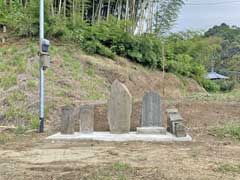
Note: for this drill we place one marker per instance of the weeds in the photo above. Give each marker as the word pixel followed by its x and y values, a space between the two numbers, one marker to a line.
pixel 4 138
pixel 20 130
pixel 15 96
pixel 31 84
pixel 229 168
pixel 229 130
pixel 8 81
pixel 117 170
pixel 121 166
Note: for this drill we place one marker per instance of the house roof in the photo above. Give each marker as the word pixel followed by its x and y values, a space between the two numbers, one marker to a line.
pixel 214 75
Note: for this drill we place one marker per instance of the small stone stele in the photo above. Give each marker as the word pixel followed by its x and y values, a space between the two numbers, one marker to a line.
pixel 173 119
pixel 68 120
pixel 86 118
pixel 119 108
pixel 151 110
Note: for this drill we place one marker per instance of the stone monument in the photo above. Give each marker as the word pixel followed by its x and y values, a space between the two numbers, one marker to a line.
pixel 151 110
pixel 151 120
pixel 119 108
pixel 175 123
pixel 86 118
pixel 67 120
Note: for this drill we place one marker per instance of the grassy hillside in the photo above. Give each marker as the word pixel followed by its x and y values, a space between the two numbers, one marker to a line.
pixel 73 77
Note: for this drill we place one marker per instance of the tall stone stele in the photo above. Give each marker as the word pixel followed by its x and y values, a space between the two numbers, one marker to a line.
pixel 68 119
pixel 86 118
pixel 151 110
pixel 119 108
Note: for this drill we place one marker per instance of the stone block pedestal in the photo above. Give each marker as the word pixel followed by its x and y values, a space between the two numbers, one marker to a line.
pixel 152 130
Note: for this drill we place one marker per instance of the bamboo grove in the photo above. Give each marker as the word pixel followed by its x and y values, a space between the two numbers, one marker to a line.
pixel 152 16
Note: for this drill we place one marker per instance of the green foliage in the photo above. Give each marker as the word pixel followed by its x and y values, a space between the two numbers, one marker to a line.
pixel 209 85
pixel 226 85
pixel 56 27
pixel 166 15
pixel 24 21
pixel 189 54
pixel 230 45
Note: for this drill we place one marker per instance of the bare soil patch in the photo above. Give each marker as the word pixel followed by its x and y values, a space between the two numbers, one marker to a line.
pixel 207 157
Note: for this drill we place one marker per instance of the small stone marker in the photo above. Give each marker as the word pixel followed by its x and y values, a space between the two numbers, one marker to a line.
pixel 119 108
pixel 86 118
pixel 175 123
pixel 68 120
pixel 151 110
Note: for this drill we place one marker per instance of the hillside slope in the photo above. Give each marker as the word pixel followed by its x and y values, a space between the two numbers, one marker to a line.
pixel 73 77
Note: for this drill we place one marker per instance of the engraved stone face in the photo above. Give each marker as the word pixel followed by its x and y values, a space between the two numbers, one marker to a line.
pixel 151 110
pixel 119 108
pixel 86 118
pixel 68 120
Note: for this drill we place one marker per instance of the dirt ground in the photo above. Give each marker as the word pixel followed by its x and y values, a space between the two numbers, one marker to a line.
pixel 207 158
pixel 97 160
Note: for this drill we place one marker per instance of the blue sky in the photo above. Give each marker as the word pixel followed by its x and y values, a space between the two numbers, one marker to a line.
pixel 202 14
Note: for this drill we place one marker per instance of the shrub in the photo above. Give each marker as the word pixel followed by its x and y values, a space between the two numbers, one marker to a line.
pixel 57 28
pixel 209 85
pixel 24 21
pixel 105 51
pixel 226 85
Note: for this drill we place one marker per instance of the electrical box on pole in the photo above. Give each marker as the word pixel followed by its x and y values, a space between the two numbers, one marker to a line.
pixel 44 54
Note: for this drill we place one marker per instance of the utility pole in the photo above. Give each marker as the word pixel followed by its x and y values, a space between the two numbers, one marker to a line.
pixel 41 33
pixel 44 64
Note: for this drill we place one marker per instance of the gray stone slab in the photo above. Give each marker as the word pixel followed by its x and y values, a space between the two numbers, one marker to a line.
pixel 119 108
pixel 151 130
pixel 86 115
pixel 68 120
pixel 151 110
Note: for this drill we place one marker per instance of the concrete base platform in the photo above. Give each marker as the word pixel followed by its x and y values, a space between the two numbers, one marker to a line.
pixel 152 130
pixel 132 136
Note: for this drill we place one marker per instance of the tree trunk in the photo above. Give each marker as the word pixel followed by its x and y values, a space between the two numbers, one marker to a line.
pixel 127 10
pixel 93 12
pixel 163 67
pixel 119 10
pixel 100 10
pixel 64 8
pixel 108 9
pixel 83 9
pixel 60 7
